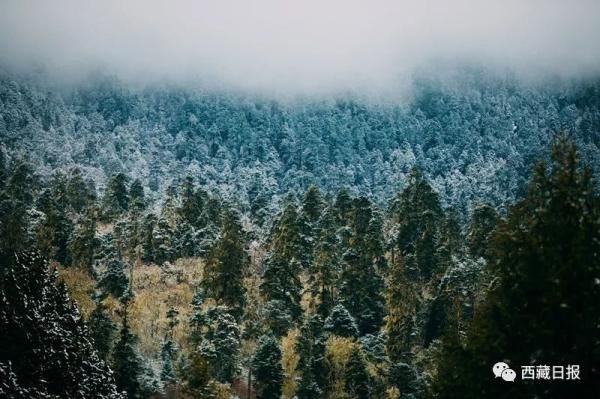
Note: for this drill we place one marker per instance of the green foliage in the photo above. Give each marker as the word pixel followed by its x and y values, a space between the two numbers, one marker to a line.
pixel 226 266
pixel 267 368
pixel 542 310
pixel 102 329
pixel 357 380
pixel 361 285
pixel 310 347
pixel 127 364
pixel 341 323
pixel 46 350
pixel 116 198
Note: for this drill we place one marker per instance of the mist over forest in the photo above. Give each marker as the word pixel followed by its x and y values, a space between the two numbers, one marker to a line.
pixel 269 200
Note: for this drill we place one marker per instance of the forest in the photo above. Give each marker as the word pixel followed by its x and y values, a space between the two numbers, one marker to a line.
pixel 170 242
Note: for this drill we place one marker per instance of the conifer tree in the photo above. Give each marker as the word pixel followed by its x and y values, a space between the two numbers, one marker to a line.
pixel 46 349
pixel 543 309
pixel 116 198
pixel 126 362
pixel 357 379
pixel 80 193
pixel 483 221
pixel 83 243
pixel 361 284
pixel 15 199
pixel 310 347
pixel 417 212
pixel 280 277
pixel 137 199
pixel 102 329
pixel 341 323
pixel 168 352
pixel 226 265
pixel 323 277
pixel 267 368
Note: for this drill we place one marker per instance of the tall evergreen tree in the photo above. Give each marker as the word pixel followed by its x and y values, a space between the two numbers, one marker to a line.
pixel 83 242
pixel 102 329
pixel 116 197
pixel 226 265
pixel 45 344
pixel 126 362
pixel 268 370
pixel 361 284
pixel 310 347
pixel 543 309
pixel 357 380
pixel 324 273
pixel 479 231
pixel 417 213
pixel 281 280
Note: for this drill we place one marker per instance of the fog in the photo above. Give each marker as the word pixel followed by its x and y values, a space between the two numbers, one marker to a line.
pixel 296 46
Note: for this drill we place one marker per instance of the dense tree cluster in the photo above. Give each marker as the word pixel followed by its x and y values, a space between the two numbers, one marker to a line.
pixel 344 250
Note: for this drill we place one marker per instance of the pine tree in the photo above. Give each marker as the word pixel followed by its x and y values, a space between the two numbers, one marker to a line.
pixel 15 199
pixel 226 266
pixel 343 207
pixel 341 323
pixel 543 309
pixel 310 347
pixel 102 329
pixel 325 268
pixel 80 193
pixel 46 350
pixel 116 198
pixel 361 284
pixel 137 198
pixel 312 204
pixel 483 221
pixel 417 212
pixel 281 267
pixel 162 246
pixel 267 368
pixel 114 281
pixel 83 243
pixel 126 362
pixel 169 349
pixel 357 379
pixel 54 231
pixel 192 203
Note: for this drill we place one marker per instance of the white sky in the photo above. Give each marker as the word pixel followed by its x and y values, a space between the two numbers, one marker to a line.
pixel 299 45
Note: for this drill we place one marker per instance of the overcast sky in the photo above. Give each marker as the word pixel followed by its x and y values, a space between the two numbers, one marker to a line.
pixel 297 45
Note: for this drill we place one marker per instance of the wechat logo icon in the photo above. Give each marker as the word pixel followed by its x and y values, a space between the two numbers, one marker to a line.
pixel 503 370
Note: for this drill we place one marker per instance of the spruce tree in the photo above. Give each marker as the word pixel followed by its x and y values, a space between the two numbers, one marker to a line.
pixel 116 198
pixel 126 362
pixel 310 347
pixel 361 284
pixel 168 352
pixel 483 221
pixel 416 211
pixel 137 198
pixel 226 265
pixel 356 378
pixel 324 273
pixel 102 329
pixel 341 323
pixel 83 243
pixel 543 310
pixel 281 280
pixel 46 350
pixel 267 368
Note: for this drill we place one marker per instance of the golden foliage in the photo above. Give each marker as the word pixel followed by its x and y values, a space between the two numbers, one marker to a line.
pixel 156 289
pixel 289 360
pixel 80 286
pixel 337 353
